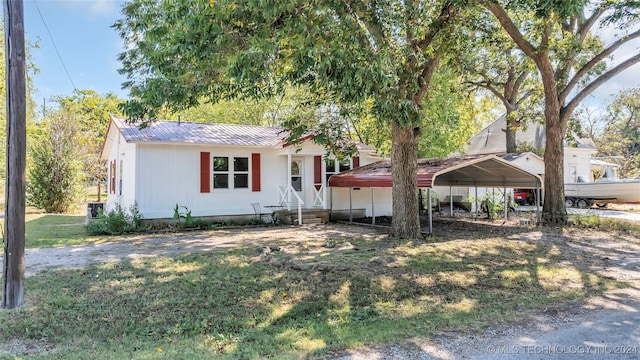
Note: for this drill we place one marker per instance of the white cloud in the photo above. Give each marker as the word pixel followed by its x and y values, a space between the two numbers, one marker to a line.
pixel 103 7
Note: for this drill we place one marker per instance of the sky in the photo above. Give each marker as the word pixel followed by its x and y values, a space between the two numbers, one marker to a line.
pixel 85 41
pixel 88 46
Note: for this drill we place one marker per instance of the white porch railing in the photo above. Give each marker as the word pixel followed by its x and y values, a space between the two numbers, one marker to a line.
pixel 286 192
pixel 319 196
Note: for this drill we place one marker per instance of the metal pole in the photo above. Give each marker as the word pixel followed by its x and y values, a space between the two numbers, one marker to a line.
pixel 538 194
pixel 476 200
pixel 373 212
pixel 430 211
pixel 450 201
pixel 350 206
pixel 506 203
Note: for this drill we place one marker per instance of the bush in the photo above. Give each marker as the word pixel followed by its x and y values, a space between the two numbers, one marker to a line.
pixel 55 171
pixel 116 222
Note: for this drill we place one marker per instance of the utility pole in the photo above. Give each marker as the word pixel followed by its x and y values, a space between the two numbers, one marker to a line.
pixel 13 269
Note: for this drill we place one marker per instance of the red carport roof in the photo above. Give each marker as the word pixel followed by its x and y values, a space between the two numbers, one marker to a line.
pixel 478 170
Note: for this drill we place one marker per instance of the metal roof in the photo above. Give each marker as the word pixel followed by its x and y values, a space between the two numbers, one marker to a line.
pixel 208 133
pixel 478 170
pixel 200 133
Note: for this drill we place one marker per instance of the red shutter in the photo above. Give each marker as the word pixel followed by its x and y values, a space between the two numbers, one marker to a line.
pixel 356 161
pixel 205 172
pixel 255 172
pixel 317 171
pixel 113 177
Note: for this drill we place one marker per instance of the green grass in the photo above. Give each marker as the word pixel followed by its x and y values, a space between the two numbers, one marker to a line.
pixel 52 230
pixel 306 300
pixel 592 221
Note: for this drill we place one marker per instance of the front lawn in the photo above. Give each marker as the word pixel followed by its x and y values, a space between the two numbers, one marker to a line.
pixel 53 230
pixel 295 300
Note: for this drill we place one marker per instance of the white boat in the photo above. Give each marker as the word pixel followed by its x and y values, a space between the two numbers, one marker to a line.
pixel 624 190
pixel 608 189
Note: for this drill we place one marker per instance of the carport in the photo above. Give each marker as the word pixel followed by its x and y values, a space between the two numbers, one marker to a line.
pixel 488 171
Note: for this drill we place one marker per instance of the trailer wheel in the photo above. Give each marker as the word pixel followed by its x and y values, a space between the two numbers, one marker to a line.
pixel 569 202
pixel 582 203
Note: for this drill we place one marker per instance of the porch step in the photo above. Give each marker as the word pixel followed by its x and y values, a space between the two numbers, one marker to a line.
pixel 309 216
pixel 315 220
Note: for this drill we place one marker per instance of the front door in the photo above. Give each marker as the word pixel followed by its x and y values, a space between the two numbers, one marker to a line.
pixel 297 179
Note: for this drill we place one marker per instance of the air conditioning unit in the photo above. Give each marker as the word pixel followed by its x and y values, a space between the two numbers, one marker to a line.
pixel 93 209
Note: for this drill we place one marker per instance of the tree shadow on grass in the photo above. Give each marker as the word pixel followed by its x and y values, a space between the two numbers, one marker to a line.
pixel 306 300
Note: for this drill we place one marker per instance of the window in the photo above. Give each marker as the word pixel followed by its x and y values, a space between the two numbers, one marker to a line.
pixel 330 166
pixel 296 175
pixel 241 173
pixel 345 165
pixel 220 172
pixel 120 182
pixel 226 176
pixel 333 167
pixel 112 177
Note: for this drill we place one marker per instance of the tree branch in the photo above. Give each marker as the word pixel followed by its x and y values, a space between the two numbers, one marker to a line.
pixel 593 62
pixel 567 110
pixel 585 27
pixel 425 78
pixel 513 31
pixel 446 14
pixel 486 85
pixel 524 97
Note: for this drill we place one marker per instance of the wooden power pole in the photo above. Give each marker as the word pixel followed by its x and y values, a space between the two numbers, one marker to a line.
pixel 13 270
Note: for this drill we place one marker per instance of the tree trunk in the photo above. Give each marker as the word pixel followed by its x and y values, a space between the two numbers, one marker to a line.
pixel 99 190
pixel 554 211
pixel 510 131
pixel 404 160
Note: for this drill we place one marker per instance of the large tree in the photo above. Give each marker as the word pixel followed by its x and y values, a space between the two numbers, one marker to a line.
pixel 55 174
pixel 570 60
pixel 620 135
pixel 349 51
pixel 499 67
pixel 91 113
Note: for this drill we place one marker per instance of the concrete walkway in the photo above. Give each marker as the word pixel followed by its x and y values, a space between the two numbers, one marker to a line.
pixel 622 215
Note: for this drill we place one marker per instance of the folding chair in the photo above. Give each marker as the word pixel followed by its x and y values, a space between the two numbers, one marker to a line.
pixel 257 208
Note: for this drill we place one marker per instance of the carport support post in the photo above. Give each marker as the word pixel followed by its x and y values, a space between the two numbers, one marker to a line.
pixel 373 211
pixel 476 200
pixel 429 211
pixel 350 206
pixel 450 200
pixel 538 194
pixel 506 203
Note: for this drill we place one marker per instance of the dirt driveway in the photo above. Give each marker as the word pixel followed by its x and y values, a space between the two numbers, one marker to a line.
pixel 612 254
pixel 172 244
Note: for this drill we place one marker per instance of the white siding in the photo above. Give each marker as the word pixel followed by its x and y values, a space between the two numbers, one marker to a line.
pixel 170 175
pixel 160 175
pixel 124 155
pixel 580 160
pixel 361 199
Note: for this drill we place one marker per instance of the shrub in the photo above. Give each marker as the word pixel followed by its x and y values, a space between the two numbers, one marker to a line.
pixel 55 171
pixel 116 222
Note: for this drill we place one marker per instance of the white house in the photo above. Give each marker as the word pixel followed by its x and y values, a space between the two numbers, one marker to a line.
pixel 218 169
pixel 492 140
pixel 578 158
